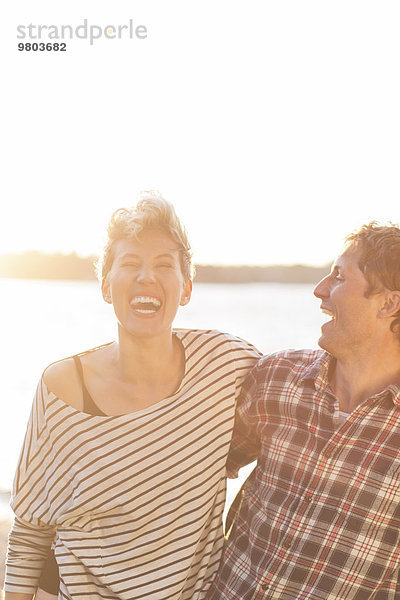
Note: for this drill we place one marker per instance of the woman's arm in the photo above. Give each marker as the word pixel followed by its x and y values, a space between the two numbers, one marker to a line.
pixel 33 531
pixel 17 596
pixel 28 547
pixel 49 583
pixel 42 595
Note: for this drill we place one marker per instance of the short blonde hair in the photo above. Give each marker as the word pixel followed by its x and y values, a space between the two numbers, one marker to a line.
pixel 152 212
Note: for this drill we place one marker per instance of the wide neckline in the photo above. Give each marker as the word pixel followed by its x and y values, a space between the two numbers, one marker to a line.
pixel 180 335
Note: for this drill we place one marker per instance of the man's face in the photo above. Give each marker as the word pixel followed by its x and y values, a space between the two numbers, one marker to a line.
pixel 353 327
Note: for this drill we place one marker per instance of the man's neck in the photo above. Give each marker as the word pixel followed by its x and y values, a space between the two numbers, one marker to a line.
pixel 355 379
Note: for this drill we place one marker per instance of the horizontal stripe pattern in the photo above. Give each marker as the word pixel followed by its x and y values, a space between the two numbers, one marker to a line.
pixel 134 501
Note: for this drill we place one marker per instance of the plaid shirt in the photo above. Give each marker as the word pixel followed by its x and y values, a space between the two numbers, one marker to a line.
pixel 322 519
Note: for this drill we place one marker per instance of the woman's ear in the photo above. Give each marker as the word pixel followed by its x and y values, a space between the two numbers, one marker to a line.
pixel 186 293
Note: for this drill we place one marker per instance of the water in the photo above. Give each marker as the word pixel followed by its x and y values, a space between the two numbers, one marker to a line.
pixel 43 321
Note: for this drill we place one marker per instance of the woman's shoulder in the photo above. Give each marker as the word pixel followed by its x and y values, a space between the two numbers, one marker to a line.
pixel 208 338
pixel 210 334
pixel 59 371
pixel 61 378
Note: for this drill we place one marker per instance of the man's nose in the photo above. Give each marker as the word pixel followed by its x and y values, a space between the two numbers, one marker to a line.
pixel 321 290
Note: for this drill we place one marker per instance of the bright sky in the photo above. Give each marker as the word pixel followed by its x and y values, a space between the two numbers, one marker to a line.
pixel 273 126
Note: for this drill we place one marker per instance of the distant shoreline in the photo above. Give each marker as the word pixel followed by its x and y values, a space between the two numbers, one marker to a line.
pixel 71 267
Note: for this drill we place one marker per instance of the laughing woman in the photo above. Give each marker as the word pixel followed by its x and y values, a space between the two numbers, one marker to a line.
pixel 123 464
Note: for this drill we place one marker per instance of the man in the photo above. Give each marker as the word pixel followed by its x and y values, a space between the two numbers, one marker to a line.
pixel 321 518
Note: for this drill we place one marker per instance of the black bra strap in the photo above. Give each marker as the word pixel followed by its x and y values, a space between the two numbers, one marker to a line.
pixel 78 366
pixel 89 406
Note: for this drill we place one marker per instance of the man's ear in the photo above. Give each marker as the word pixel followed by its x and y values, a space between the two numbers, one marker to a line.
pixel 105 290
pixel 187 292
pixel 390 305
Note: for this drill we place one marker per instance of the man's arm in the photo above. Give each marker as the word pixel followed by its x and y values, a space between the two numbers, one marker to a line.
pixel 245 444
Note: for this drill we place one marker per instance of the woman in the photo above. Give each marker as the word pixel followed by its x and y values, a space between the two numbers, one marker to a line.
pixel 123 463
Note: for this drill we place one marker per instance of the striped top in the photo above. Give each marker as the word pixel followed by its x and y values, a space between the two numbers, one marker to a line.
pixel 134 501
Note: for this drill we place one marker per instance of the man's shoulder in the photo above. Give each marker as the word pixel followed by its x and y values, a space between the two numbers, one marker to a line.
pixel 288 364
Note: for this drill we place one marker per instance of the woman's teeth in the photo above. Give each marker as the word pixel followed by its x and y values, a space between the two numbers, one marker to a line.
pixel 145 304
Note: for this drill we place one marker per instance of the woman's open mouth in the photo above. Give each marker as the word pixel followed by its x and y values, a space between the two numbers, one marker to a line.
pixel 145 304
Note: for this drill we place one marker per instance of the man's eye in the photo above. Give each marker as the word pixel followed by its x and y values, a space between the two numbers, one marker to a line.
pixel 165 265
pixel 339 277
pixel 130 264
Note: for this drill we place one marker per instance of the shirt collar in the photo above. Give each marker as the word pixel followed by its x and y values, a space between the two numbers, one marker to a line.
pixel 394 390
pixel 317 373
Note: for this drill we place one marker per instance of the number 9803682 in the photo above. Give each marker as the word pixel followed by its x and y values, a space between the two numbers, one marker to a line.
pixel 42 47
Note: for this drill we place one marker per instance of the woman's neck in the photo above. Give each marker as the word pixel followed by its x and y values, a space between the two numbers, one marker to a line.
pixel 148 359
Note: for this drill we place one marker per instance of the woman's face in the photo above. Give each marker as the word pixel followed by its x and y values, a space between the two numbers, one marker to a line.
pixel 146 284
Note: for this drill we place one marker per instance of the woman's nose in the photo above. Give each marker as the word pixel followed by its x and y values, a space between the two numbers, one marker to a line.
pixel 146 274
